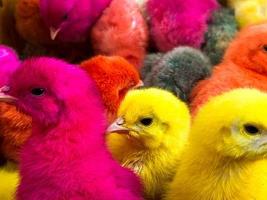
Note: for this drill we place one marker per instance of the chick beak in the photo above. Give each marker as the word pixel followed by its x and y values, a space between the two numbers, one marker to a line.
pixel 4 97
pixel 54 32
pixel 118 127
pixel 139 84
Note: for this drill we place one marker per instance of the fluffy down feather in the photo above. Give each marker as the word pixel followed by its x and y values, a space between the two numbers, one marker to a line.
pixel 9 179
pixel 15 126
pixel 225 158
pixel 121 31
pixel 178 22
pixel 249 12
pixel 221 32
pixel 114 77
pixel 179 71
pixel 244 65
pixel 150 133
pixel 66 157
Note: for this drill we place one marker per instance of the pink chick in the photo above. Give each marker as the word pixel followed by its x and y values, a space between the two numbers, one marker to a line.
pixel 66 157
pixel 179 22
pixel 121 31
pixel 9 62
pixel 71 20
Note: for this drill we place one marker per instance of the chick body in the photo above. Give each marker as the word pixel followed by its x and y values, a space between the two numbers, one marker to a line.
pixel 225 158
pixel 151 151
pixel 9 180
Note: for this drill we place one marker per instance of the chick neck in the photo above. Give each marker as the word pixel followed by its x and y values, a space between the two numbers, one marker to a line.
pixel 223 174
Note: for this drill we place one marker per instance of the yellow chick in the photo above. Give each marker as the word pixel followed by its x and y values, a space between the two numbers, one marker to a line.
pixel 150 133
pixel 8 181
pixel 249 12
pixel 225 158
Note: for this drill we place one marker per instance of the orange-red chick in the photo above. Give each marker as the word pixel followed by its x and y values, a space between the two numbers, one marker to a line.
pixel 114 77
pixel 244 65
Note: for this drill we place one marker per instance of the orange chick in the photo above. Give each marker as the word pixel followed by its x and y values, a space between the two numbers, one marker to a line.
pixel 244 65
pixel 114 77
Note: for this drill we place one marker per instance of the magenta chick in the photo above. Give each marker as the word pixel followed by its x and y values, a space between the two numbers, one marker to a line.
pixel 9 62
pixel 66 157
pixel 71 20
pixel 179 22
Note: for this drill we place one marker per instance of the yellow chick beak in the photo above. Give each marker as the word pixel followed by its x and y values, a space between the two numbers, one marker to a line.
pixel 4 97
pixel 140 84
pixel 118 127
pixel 54 32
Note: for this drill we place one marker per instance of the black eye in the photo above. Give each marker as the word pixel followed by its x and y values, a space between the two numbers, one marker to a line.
pixel 146 121
pixel 38 91
pixel 264 47
pixel 251 129
pixel 65 17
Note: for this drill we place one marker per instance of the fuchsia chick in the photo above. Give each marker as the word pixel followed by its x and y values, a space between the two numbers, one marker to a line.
pixel 66 156
pixel 9 62
pixel 179 22
pixel 71 20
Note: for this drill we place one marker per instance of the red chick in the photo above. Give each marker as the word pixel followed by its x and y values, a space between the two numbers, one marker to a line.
pixel 244 65
pixel 114 77
pixel 121 31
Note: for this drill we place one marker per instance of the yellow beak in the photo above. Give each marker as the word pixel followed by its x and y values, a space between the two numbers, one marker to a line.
pixel 118 127
pixel 4 97
pixel 54 32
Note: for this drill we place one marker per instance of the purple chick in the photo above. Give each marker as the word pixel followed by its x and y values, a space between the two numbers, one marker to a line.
pixel 9 62
pixel 66 156
pixel 71 20
pixel 179 22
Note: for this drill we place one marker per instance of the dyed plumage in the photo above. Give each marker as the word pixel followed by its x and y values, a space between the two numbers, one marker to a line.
pixel 225 158
pixel 149 135
pixel 221 32
pixel 15 126
pixel 178 22
pixel 121 31
pixel 249 12
pixel 114 77
pixel 244 65
pixel 9 180
pixel 66 157
pixel 179 71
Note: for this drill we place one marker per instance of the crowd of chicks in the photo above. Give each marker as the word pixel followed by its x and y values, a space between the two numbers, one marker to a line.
pixel 133 99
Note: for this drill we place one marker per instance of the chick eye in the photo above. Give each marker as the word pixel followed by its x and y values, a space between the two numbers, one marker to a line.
pixel 65 17
pixel 146 121
pixel 251 129
pixel 264 47
pixel 38 91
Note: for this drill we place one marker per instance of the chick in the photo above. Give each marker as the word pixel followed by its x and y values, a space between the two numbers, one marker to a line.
pixel 244 65
pixel 249 12
pixel 225 158
pixel 9 179
pixel 149 135
pixel 150 61
pixel 15 126
pixel 114 77
pixel 179 71
pixel 178 22
pixel 66 156
pixel 8 32
pixel 221 32
pixel 121 31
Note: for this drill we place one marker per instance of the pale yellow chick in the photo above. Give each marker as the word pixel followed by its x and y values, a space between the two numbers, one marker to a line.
pixel 249 12
pixel 225 158
pixel 152 128
pixel 8 181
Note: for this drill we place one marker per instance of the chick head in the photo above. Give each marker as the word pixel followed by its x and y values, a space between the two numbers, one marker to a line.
pixel 114 76
pixel 249 49
pixel 50 91
pixel 233 124
pixel 153 118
